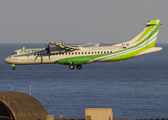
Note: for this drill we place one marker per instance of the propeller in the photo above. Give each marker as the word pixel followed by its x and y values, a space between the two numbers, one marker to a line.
pixel 48 50
pixel 37 57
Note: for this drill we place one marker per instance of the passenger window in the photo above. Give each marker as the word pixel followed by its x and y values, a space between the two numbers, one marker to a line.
pixel 72 53
pixel 79 53
pixel 85 52
pixel 69 53
pixel 88 52
pixel 15 53
pixel 101 52
pixel 98 52
pixel 95 52
pixel 82 52
pixel 110 51
pixel 104 51
pixel 92 52
pixel 107 51
pixel 75 53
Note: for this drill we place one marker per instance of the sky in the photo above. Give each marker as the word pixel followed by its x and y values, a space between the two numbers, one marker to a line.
pixel 79 21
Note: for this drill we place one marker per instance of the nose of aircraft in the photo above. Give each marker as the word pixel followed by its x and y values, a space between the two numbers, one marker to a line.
pixel 5 60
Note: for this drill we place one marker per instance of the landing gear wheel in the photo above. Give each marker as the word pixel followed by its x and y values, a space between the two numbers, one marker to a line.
pixel 79 67
pixel 71 67
pixel 13 68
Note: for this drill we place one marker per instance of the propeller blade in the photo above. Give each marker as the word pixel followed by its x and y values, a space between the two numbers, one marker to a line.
pixel 48 50
pixel 35 58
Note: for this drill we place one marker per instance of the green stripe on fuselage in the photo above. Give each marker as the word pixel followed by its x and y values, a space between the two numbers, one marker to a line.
pixel 81 59
pixel 129 55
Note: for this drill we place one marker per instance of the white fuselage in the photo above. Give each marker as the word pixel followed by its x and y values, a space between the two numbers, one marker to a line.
pixel 40 56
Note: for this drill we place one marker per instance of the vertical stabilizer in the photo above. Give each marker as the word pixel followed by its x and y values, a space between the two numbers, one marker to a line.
pixel 149 34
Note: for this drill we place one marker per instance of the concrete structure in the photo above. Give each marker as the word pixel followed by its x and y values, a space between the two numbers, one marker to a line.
pixel 20 106
pixel 98 114
pixel 50 117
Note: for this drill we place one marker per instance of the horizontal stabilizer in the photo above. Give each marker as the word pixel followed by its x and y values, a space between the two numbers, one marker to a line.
pixel 150 24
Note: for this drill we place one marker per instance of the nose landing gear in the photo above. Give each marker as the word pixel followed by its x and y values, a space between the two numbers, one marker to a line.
pixel 13 66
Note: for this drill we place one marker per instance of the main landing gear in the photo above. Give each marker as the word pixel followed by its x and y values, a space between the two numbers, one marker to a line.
pixel 79 67
pixel 73 67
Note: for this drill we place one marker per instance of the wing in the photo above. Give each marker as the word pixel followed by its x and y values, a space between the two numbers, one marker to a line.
pixel 66 47
pixel 74 47
pixel 89 45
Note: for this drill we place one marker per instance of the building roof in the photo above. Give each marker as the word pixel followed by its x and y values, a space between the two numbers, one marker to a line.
pixel 23 106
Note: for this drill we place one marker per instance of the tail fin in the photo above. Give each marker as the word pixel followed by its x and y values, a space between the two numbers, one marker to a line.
pixel 147 36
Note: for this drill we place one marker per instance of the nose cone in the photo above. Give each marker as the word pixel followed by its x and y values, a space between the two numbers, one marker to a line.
pixel 5 60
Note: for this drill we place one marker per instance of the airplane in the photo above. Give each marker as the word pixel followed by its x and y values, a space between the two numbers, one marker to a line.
pixel 78 55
